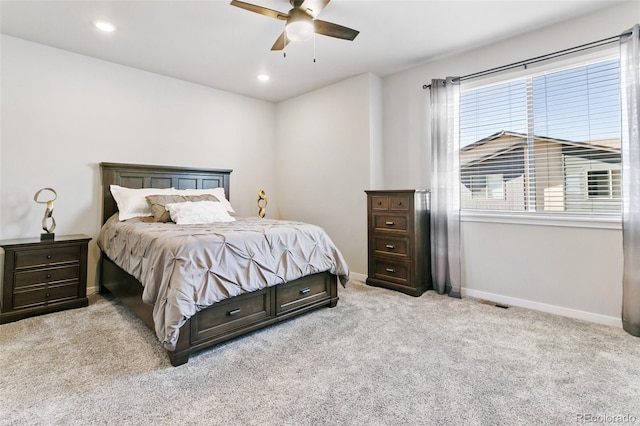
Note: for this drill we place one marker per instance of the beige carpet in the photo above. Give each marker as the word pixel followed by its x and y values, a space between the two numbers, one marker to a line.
pixel 378 358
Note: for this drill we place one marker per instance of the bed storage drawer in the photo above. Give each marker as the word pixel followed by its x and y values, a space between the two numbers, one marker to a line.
pixel 231 314
pixel 299 293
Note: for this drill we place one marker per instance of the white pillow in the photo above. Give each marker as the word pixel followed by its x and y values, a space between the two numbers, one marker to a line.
pixel 198 212
pixel 132 202
pixel 218 192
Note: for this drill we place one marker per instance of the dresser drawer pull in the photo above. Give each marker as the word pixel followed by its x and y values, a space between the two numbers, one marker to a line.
pixel 391 270
pixel 390 223
pixel 48 256
pixel 47 295
pixel 399 203
pixel 48 276
pixel 390 247
pixel 305 290
pixel 234 312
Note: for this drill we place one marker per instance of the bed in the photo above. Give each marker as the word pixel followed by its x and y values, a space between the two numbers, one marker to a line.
pixel 236 308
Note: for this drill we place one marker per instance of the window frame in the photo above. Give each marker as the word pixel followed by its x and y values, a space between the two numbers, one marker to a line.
pixel 603 220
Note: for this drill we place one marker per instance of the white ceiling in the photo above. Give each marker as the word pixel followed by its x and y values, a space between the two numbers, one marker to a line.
pixel 218 45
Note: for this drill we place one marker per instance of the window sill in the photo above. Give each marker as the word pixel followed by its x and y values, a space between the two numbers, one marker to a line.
pixel 541 219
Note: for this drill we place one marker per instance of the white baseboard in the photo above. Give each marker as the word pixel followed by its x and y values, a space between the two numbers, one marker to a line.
pixel 552 309
pixel 357 277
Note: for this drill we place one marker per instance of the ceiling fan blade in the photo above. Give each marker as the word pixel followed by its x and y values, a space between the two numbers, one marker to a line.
pixel 261 10
pixel 281 42
pixel 335 30
pixel 314 7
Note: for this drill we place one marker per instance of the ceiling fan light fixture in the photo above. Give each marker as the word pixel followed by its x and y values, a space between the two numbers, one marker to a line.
pixel 300 29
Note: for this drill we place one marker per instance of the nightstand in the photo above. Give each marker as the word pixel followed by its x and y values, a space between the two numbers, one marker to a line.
pixel 40 277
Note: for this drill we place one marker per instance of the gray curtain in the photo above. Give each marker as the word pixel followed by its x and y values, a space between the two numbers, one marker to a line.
pixel 445 187
pixel 630 145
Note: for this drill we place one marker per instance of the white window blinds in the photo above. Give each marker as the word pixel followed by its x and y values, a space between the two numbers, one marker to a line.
pixel 543 143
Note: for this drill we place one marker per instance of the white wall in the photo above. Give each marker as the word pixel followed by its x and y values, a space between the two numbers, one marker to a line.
pixel 573 271
pixel 63 114
pixel 326 141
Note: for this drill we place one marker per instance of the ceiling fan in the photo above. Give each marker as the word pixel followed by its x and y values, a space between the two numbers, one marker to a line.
pixel 301 21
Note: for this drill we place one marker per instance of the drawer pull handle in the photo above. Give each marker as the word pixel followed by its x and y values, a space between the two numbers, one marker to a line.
pixel 47 295
pixel 48 256
pixel 391 270
pixel 390 223
pixel 399 203
pixel 234 312
pixel 390 247
pixel 379 203
pixel 305 290
pixel 48 276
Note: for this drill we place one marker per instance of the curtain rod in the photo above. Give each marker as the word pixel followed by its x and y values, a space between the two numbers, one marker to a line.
pixel 526 62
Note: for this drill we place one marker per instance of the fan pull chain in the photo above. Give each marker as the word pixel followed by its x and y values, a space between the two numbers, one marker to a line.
pixel 314 47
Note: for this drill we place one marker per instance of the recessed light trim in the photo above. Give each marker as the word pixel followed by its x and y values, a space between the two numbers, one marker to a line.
pixel 105 26
pixel 263 77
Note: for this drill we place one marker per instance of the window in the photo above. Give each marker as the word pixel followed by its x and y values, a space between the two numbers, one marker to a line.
pixel 487 187
pixel 546 142
pixel 603 184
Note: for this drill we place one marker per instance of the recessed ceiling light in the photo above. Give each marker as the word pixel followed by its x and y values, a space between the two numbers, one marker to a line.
pixel 105 26
pixel 263 77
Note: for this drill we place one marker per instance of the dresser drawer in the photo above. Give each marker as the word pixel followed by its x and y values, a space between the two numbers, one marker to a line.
pixel 379 202
pixel 45 294
pixel 389 270
pixel 27 278
pixel 390 223
pixel 46 256
pixel 229 315
pixel 390 245
pixel 300 293
pixel 400 202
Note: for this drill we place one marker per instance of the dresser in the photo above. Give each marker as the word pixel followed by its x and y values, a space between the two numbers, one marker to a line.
pixel 40 277
pixel 399 245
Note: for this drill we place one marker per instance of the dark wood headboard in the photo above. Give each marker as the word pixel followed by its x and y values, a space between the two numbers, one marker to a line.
pixel 149 176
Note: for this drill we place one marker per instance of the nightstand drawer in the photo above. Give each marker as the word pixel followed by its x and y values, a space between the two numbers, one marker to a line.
pixel 48 275
pixel 47 256
pixel 390 223
pixel 45 295
pixel 389 270
pixel 390 245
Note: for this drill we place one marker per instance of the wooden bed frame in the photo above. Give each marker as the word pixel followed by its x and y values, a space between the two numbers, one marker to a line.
pixel 224 320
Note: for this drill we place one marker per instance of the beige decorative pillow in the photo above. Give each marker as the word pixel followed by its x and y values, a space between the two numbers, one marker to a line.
pixel 159 203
